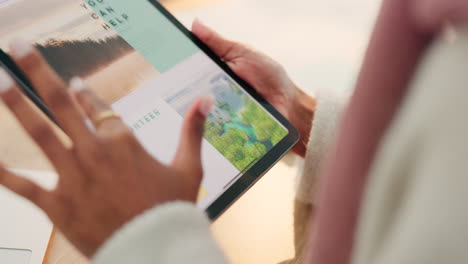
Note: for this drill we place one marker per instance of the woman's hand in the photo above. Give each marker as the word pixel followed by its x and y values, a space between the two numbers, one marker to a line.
pixel 267 77
pixel 105 176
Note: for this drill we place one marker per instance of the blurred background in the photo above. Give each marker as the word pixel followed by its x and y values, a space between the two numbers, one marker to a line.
pixel 321 44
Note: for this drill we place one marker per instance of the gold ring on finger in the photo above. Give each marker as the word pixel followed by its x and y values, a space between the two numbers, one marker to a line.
pixel 103 116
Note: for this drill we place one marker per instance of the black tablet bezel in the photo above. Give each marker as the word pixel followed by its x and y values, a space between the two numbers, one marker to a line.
pixel 249 178
pixel 252 175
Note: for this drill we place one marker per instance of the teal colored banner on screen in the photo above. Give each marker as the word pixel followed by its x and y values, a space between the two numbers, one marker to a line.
pixel 147 30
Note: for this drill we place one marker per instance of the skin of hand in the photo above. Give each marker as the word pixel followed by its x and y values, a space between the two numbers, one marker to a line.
pixel 106 177
pixel 267 77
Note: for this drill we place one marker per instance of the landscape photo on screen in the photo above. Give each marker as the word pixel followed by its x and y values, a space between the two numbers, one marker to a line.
pixel 136 60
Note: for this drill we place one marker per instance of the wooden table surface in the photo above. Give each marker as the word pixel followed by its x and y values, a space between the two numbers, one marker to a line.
pixel 256 229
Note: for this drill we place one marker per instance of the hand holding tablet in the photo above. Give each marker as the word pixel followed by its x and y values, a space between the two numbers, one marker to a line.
pixel 268 78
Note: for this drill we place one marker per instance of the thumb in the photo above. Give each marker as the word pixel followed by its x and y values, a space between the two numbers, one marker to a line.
pixel 225 49
pixel 188 155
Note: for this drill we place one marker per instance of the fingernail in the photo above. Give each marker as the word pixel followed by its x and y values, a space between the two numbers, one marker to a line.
pixel 77 84
pixel 20 48
pixel 206 105
pixel 6 82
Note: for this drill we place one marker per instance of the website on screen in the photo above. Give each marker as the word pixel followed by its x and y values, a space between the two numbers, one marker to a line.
pixel 136 60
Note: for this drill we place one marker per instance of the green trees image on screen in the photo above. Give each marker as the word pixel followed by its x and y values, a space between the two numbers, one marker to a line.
pixel 244 133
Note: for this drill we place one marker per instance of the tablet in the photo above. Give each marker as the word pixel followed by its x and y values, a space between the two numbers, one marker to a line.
pixel 139 59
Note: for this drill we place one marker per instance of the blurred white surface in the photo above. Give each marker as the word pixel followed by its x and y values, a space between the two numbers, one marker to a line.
pixel 23 226
pixel 13 256
pixel 320 43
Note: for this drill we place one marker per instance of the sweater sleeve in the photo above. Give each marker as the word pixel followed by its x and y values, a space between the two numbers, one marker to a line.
pixel 173 233
pixel 415 209
pixel 330 106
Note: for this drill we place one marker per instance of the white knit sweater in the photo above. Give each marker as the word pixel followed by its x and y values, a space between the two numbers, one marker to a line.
pixel 416 206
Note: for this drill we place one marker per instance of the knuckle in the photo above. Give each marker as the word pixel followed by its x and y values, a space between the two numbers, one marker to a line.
pixel 239 49
pixel 94 100
pixel 42 132
pixel 195 172
pixel 13 99
pixel 57 98
pixel 94 154
pixel 86 103
pixel 199 174
pixel 31 63
pixel 65 208
pixel 119 134
pixel 30 191
pixel 84 97
pixel 123 138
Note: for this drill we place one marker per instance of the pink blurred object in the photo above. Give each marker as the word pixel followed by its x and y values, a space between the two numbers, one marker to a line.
pixel 403 32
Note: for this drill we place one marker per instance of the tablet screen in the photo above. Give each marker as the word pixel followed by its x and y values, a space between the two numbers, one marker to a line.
pixel 143 65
